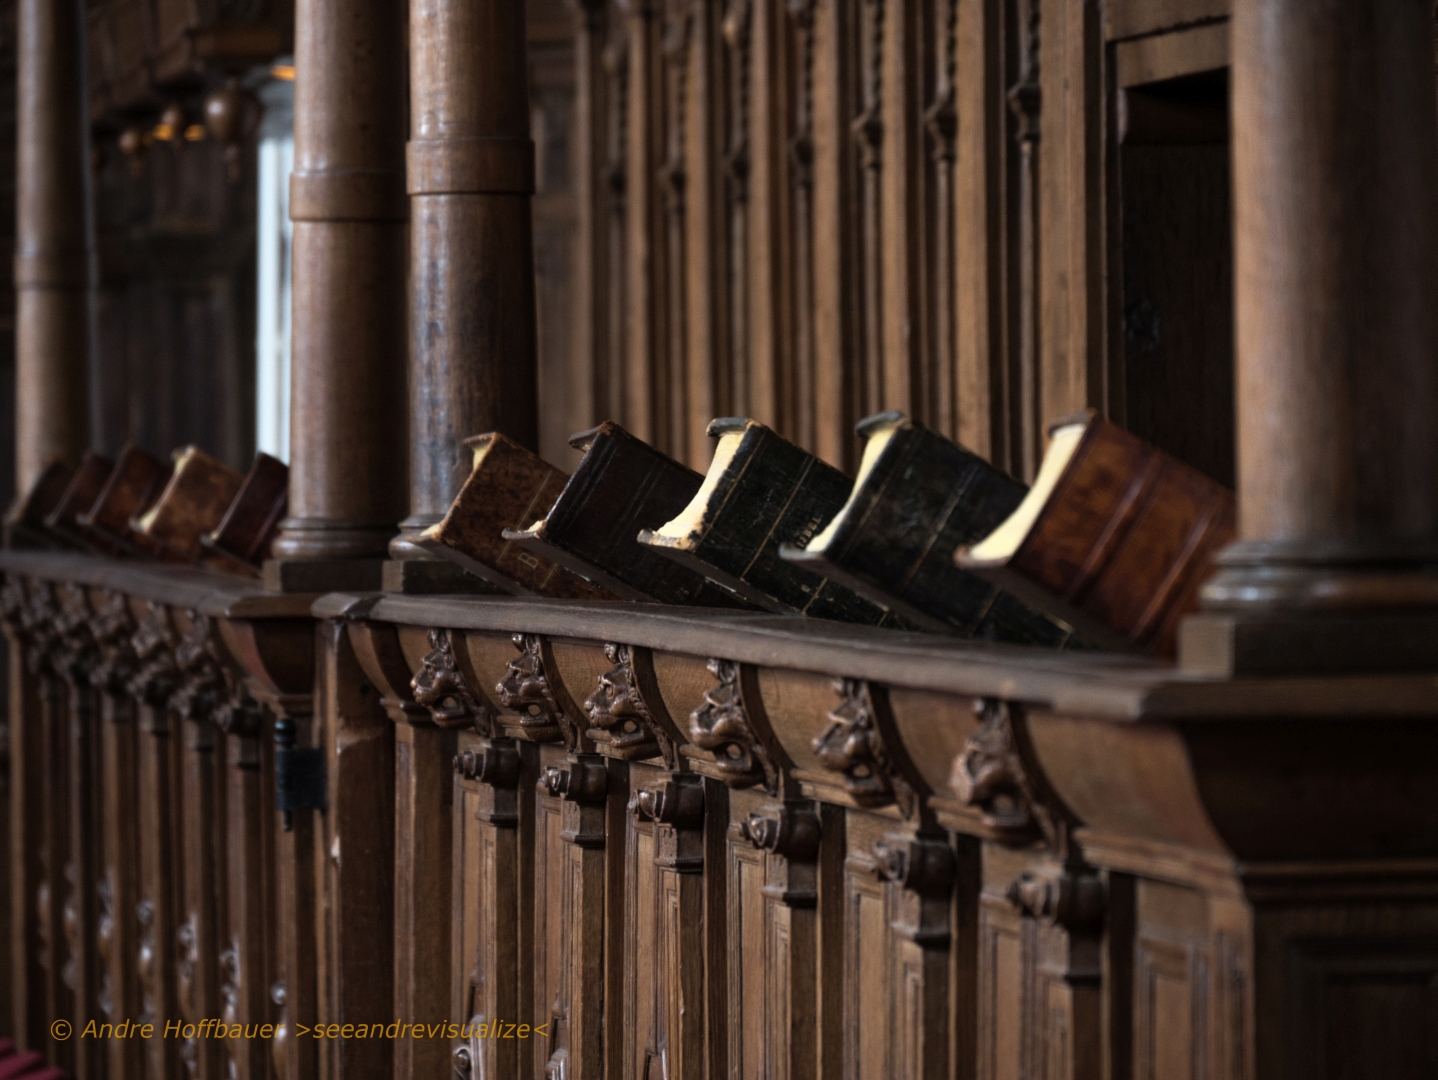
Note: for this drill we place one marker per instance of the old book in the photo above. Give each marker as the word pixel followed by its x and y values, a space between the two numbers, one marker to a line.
pixel 1115 536
pixel 508 488
pixel 80 495
pixel 621 486
pixel 762 491
pixel 241 541
pixel 25 520
pixel 193 503
pixel 134 484
pixel 916 498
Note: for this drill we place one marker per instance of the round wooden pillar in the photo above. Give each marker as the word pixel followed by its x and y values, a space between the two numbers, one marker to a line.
pixel 52 250
pixel 471 175
pixel 1336 248
pixel 347 201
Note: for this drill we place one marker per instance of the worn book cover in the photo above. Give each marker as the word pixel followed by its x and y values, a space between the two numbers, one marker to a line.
pixel 25 520
pixel 1115 536
pixel 241 541
pixel 917 497
pixel 762 491
pixel 508 488
pixel 194 501
pixel 84 488
pixel 134 484
pixel 621 487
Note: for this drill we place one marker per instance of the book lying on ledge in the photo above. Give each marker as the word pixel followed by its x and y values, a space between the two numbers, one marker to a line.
pixel 194 502
pixel 508 488
pixel 134 484
pixel 241 541
pixel 85 487
pixel 622 485
pixel 25 520
pixel 763 491
pixel 1115 536
pixel 916 498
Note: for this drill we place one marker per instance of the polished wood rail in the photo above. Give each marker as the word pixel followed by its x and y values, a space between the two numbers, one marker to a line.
pixel 684 843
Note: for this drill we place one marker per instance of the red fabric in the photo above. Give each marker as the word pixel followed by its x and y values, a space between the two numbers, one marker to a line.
pixel 7 1048
pixel 21 1065
pixel 51 1073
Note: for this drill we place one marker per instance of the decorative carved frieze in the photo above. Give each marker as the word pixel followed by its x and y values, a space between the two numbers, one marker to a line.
pixel 75 655
pixel 39 628
pixel 525 689
pixel 202 684
pixel 721 726
pixel 620 715
pixel 440 687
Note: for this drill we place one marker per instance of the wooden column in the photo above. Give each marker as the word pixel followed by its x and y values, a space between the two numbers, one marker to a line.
pixel 1336 257
pixel 348 204
pixel 52 250
pixel 471 174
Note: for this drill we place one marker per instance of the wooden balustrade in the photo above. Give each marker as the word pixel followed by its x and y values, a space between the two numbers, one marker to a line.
pixel 684 845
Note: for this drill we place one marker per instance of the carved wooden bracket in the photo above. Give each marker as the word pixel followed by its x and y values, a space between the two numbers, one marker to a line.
pixel 853 745
pixel 440 687
pixel 1073 898
pixel 722 726
pixel 581 786
pixel 676 807
pixel 990 776
pixel 921 864
pixel 525 688
pixel 495 765
pixel 239 713
pixel 620 715
pixel 112 626
pixel 791 830
pixel 153 643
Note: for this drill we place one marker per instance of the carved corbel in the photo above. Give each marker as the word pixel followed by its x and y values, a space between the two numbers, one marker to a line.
pixel 923 869
pixel 790 833
pixel 676 807
pixel 154 647
pixel 581 786
pixel 528 690
pixel 626 716
pixel 990 776
pixel 853 745
pixel 200 672
pixel 495 765
pixel 723 726
pixel 440 687
pixel 112 626
pixel 1072 898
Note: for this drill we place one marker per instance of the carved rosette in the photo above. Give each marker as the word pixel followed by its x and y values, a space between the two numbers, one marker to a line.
pixel 440 687
pixel 990 777
pixel 619 714
pixel 721 726
pixel 852 745
pixel 112 626
pixel 525 689
pixel 153 643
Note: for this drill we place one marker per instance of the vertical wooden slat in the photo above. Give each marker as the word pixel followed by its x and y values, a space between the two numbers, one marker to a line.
pixel 646 269
pixel 591 333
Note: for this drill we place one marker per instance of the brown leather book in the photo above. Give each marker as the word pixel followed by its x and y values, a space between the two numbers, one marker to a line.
pixel 241 542
pixel 193 503
pixel 508 488
pixel 84 488
pixel 134 483
pixel 622 486
pixel 25 520
pixel 1114 537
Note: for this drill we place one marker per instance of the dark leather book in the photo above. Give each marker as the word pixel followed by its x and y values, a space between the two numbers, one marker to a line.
pixel 193 503
pixel 916 498
pixel 134 483
pixel 25 520
pixel 84 488
pixel 1115 537
pixel 763 491
pixel 622 485
pixel 241 541
pixel 508 488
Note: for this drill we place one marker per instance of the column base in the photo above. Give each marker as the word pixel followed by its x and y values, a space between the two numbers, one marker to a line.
pixel 323 575
pixel 431 576
pixel 1234 645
